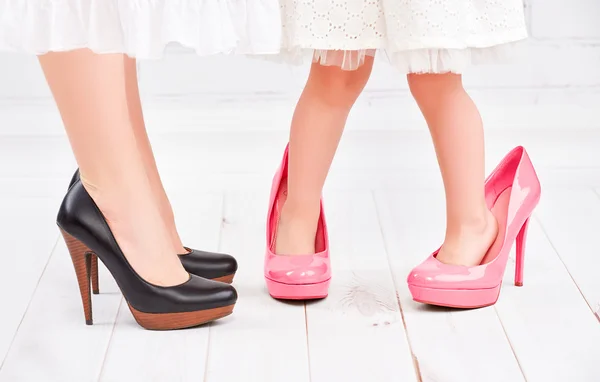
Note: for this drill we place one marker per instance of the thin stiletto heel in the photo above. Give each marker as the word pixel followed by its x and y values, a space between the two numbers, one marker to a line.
pixel 520 255
pixel 81 256
pixel 94 274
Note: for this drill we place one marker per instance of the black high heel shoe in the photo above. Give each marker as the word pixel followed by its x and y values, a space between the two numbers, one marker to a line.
pixel 210 265
pixel 195 302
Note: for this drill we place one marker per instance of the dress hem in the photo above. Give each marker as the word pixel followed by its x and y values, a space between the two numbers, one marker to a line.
pixel 426 56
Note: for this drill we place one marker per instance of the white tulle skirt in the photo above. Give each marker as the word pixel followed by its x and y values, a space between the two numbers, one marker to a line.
pixel 141 28
pixel 416 36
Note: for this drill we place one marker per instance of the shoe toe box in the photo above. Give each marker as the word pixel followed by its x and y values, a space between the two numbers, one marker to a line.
pixel 305 269
pixel 209 265
pixel 436 275
pixel 201 293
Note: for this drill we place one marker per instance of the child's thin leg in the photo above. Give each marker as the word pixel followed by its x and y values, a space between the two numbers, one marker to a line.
pixel 89 90
pixel 457 132
pixel 317 127
pixel 139 128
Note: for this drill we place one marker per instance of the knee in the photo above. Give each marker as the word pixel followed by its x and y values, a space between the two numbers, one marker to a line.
pixel 429 87
pixel 338 87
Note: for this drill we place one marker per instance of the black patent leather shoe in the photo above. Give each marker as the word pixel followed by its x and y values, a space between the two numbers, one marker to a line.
pixel 86 233
pixel 210 265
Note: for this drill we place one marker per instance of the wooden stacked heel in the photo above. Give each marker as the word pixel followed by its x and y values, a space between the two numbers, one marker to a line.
pixel 94 274
pixel 82 261
pixel 171 321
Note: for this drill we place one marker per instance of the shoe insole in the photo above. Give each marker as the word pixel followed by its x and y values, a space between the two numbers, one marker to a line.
pixel 500 212
pixel 279 203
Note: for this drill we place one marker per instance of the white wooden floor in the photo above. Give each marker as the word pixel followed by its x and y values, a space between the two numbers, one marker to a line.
pixel 386 213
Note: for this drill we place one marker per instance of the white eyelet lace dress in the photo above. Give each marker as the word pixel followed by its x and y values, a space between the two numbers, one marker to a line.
pixel 141 28
pixel 417 36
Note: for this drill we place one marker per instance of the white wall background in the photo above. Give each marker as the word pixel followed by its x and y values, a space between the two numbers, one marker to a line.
pixel 554 83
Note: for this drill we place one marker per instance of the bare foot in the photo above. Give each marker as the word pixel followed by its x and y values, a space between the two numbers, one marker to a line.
pixel 469 246
pixel 296 232
pixel 142 236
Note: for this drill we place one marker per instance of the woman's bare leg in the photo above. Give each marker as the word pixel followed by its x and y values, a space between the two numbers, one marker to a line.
pixel 139 129
pixel 90 91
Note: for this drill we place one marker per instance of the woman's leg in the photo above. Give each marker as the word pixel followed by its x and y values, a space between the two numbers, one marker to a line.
pixel 90 92
pixel 317 127
pixel 457 132
pixel 139 129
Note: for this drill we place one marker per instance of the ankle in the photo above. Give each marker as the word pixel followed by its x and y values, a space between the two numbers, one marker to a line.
pixel 169 219
pixel 177 244
pixel 300 211
pixel 297 229
pixel 120 205
pixel 106 200
pixel 474 224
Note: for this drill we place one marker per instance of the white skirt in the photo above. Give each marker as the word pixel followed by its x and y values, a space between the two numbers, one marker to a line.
pixel 141 28
pixel 416 36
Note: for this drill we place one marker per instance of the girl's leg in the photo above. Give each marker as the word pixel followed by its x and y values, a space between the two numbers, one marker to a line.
pixel 317 127
pixel 89 90
pixel 139 129
pixel 457 132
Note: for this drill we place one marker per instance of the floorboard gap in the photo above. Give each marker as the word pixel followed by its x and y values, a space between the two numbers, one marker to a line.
pixel 565 265
pixel 112 332
pixel 512 348
pixel 307 342
pixel 30 299
pixel 387 254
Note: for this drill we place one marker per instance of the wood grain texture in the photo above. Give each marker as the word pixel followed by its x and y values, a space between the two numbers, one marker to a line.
pixel 82 262
pixel 449 345
pixel 550 327
pixel 182 320
pixel 544 321
pixel 264 340
pixel 136 354
pixel 571 219
pixel 226 279
pixel 28 237
pixel 94 274
pixel 53 336
pixel 357 334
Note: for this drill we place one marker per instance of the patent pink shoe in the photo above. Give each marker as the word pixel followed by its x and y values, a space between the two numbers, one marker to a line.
pixel 512 192
pixel 295 277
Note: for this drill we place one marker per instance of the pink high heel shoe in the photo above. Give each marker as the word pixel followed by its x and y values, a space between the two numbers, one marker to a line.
pixel 512 192
pixel 300 277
